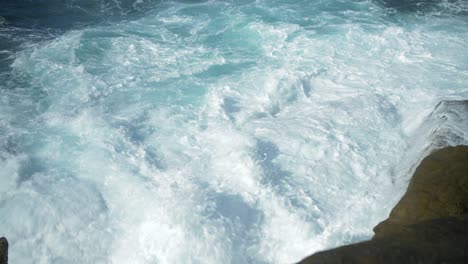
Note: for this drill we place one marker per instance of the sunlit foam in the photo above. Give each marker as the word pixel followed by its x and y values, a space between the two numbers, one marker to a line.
pixel 218 132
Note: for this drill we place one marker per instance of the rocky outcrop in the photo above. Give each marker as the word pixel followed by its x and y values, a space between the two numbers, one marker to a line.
pixel 3 251
pixel 428 225
pixel 439 188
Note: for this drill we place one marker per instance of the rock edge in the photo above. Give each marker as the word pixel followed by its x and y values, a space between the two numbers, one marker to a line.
pixel 428 225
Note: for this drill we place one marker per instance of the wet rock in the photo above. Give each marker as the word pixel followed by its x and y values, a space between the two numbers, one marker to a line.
pixel 438 241
pixel 3 251
pixel 439 188
pixel 428 225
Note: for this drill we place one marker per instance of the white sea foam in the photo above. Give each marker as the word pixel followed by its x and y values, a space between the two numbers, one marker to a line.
pixel 219 132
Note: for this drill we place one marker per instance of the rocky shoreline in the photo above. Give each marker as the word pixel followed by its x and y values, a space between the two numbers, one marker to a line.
pixel 428 225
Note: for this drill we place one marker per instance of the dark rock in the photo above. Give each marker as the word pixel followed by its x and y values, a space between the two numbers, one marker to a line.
pixel 438 241
pixel 3 251
pixel 428 225
pixel 439 188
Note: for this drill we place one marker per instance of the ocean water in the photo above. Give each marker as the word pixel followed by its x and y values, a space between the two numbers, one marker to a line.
pixel 214 131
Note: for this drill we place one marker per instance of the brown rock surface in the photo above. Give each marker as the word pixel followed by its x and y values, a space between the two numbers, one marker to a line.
pixel 439 188
pixel 428 225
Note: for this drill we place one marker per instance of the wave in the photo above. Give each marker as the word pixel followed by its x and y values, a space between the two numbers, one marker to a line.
pixel 215 131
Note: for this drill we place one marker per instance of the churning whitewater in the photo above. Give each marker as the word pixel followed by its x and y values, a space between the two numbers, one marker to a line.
pixel 214 131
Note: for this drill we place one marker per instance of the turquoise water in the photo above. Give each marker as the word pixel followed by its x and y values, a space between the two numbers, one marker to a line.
pixel 214 131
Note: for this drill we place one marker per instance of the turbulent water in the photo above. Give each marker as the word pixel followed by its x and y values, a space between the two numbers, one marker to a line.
pixel 213 131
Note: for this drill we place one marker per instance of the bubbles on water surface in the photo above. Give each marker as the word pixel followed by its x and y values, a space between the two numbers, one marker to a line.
pixel 217 132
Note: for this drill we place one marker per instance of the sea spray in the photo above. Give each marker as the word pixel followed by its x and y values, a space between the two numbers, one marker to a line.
pixel 216 131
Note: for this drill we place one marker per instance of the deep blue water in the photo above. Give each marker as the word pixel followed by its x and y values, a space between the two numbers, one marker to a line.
pixel 214 131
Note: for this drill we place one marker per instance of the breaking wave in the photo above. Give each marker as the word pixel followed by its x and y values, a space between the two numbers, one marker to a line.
pixel 213 131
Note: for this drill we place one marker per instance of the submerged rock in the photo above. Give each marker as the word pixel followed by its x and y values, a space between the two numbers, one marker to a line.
pixel 428 225
pixel 3 250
